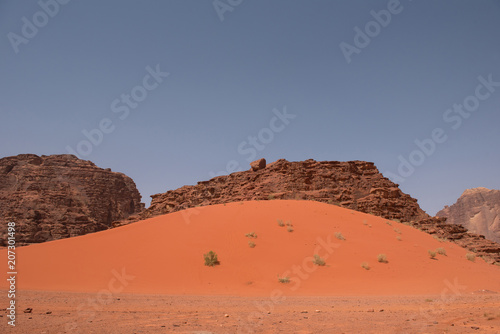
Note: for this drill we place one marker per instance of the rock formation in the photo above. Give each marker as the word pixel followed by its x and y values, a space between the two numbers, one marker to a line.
pixel 478 210
pixel 355 184
pixel 60 196
pixel 440 228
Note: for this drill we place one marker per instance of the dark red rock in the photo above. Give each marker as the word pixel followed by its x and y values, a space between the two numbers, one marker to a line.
pixel 258 164
pixel 60 196
pixel 355 185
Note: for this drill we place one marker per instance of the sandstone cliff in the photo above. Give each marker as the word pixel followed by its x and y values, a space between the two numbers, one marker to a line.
pixel 478 210
pixel 354 184
pixel 60 196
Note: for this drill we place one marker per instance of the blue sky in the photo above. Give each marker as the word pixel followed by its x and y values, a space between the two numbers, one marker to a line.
pixel 85 66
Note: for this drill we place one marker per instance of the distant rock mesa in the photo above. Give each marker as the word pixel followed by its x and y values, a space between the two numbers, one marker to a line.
pixel 478 210
pixel 60 196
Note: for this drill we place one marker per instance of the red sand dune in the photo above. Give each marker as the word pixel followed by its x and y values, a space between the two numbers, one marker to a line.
pixel 165 255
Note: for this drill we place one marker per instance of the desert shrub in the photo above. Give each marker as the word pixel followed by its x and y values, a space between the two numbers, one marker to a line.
pixel 251 244
pixel 441 251
pixel 382 258
pixel 399 238
pixel 388 223
pixel 339 236
pixel 280 223
pixel 439 238
pixel 289 229
pixel 397 230
pixel 211 259
pixel 284 279
pixel 396 220
pixel 432 253
pixel 318 260
pixel 288 223
pixel 271 197
pixel 470 256
pixel 251 235
pixel 365 265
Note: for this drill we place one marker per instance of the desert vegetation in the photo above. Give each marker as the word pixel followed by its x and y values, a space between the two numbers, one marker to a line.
pixel 251 244
pixel 382 258
pixel 251 235
pixel 284 279
pixel 365 265
pixel 432 254
pixel 318 260
pixel 441 251
pixel 339 236
pixel 211 259
pixel 470 257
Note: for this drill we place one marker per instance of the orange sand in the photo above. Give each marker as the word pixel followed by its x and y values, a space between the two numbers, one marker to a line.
pixel 165 255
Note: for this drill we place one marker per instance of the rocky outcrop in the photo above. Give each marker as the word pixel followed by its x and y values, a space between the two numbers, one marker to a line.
pixel 478 210
pixel 258 164
pixel 440 228
pixel 354 184
pixel 60 196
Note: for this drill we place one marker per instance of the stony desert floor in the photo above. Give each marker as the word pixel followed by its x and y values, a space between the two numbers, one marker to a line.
pixel 150 277
pixel 58 312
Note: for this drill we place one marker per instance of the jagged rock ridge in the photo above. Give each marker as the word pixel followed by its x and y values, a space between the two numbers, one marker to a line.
pixel 356 185
pixel 60 196
pixel 478 210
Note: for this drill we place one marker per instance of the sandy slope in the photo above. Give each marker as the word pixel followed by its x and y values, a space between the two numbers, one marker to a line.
pixel 165 255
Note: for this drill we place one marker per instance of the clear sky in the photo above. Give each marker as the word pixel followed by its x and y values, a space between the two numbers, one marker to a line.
pixel 327 80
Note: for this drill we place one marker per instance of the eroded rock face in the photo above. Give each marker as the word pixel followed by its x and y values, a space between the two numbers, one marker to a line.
pixel 258 164
pixel 439 227
pixel 478 210
pixel 355 184
pixel 60 196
